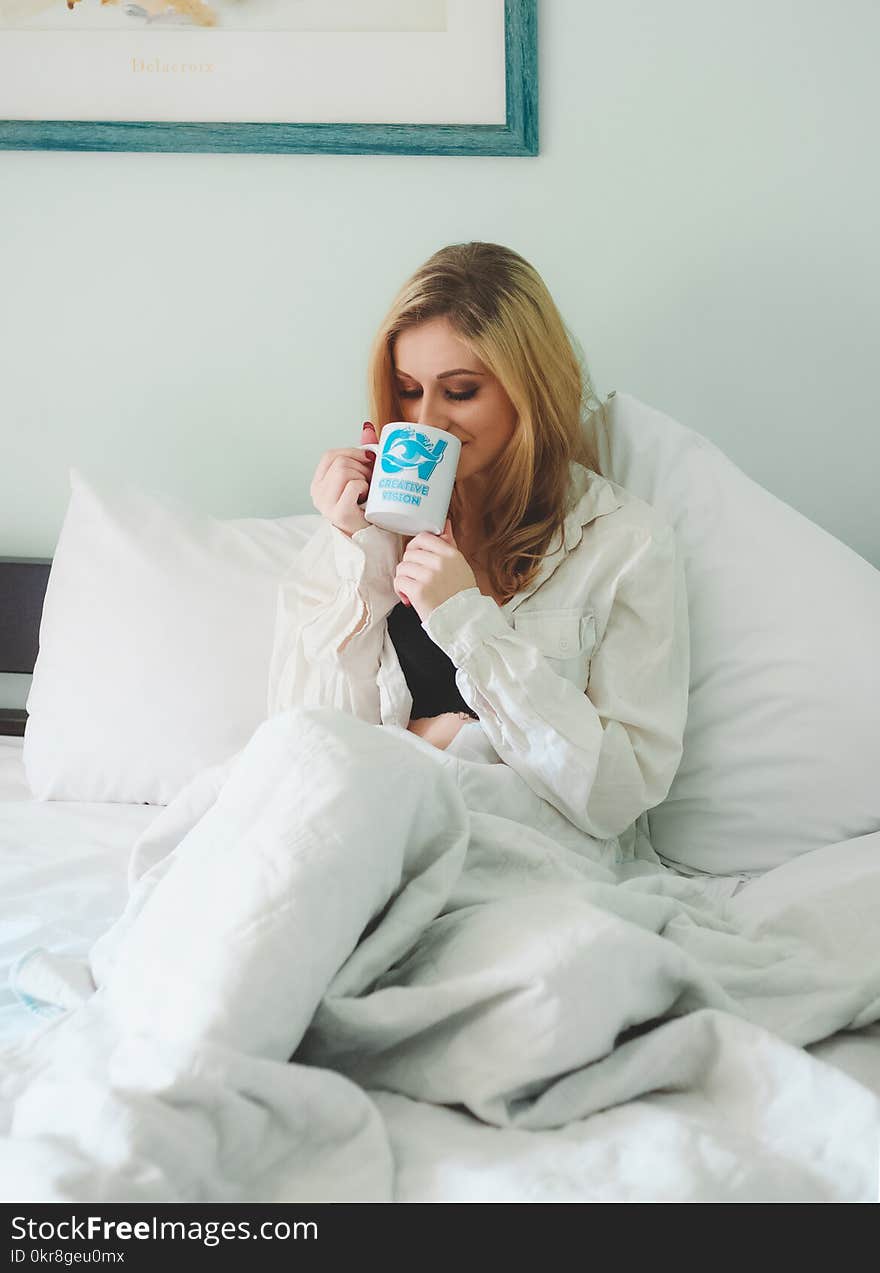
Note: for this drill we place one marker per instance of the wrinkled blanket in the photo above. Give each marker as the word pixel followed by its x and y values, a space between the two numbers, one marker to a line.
pixel 341 935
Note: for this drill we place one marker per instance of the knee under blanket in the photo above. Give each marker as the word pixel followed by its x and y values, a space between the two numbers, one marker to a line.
pixel 342 916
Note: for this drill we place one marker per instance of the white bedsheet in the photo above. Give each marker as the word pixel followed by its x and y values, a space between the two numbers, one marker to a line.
pixel 173 1082
pixel 63 870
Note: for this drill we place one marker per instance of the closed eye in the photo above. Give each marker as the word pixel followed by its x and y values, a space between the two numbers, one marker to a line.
pixel 455 397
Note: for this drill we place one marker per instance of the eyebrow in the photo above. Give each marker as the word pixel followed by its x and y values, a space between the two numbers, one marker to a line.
pixel 458 371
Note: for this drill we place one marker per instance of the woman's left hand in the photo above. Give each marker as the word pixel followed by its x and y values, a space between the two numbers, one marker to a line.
pixel 440 730
pixel 431 570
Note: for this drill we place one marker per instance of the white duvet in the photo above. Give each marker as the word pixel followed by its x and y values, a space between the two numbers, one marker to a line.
pixel 345 953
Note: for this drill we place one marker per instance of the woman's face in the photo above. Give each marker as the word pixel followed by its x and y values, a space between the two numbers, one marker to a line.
pixel 470 404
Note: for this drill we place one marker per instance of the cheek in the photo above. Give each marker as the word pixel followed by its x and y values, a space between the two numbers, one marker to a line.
pixel 497 426
pixel 497 435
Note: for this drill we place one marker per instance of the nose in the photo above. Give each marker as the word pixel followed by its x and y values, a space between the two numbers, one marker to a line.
pixel 430 414
pixel 431 408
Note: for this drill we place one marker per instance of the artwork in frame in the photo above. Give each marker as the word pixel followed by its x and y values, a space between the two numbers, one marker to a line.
pixel 406 77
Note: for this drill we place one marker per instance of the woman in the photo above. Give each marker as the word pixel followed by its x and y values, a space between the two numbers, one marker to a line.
pixel 431 909
pixel 548 624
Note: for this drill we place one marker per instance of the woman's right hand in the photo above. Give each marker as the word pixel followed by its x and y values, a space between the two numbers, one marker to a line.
pixel 341 483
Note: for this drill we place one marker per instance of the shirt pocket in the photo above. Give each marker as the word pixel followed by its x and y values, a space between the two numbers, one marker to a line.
pixel 565 637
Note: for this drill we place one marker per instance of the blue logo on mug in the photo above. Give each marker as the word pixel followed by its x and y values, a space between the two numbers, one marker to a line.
pixel 407 449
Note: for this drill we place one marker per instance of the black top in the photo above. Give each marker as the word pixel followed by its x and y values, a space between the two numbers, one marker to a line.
pixel 429 671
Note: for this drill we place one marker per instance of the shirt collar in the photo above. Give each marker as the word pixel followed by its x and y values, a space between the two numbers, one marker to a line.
pixel 590 496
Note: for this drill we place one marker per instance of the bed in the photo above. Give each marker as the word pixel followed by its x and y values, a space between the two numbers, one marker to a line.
pixel 735 1111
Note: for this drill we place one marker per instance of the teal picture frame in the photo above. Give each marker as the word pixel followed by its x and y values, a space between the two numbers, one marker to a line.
pixel 518 136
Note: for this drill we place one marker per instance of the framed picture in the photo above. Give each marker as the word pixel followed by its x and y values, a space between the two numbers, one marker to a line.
pixel 343 77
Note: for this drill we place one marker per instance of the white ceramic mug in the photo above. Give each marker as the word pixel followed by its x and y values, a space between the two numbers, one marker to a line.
pixel 412 479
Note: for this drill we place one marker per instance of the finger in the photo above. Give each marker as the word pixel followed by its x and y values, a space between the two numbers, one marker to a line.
pixel 329 457
pixel 355 466
pixel 432 543
pixel 349 468
pixel 400 592
pixel 336 479
pixel 353 453
pixel 323 465
pixel 404 591
pixel 352 489
pixel 369 435
pixel 363 459
pixel 409 583
pixel 416 569
pixel 422 555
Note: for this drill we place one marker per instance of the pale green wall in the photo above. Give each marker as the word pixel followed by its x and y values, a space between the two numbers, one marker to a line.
pixel 704 210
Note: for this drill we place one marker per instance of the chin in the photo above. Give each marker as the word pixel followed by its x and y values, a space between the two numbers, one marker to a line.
pixel 474 469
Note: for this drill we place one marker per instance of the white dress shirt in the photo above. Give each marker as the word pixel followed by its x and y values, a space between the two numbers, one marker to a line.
pixel 580 681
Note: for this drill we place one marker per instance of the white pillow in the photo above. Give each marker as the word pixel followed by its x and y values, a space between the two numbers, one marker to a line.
pixel 782 746
pixel 155 641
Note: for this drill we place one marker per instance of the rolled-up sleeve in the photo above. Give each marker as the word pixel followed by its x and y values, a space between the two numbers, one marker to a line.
pixel 604 755
pixel 330 622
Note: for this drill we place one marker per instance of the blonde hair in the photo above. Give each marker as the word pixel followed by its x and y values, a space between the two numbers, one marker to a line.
pixel 500 309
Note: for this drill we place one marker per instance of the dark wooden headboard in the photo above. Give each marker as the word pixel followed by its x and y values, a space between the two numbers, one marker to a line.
pixel 23 583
